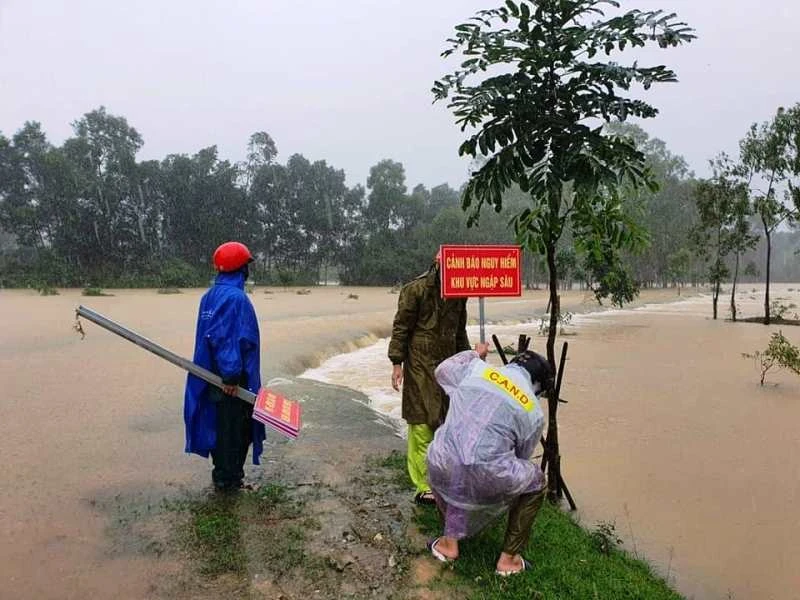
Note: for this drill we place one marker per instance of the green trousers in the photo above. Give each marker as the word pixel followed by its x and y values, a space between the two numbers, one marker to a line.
pixel 419 438
pixel 521 516
pixel 234 433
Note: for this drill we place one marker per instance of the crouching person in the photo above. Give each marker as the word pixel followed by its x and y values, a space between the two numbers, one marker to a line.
pixel 479 463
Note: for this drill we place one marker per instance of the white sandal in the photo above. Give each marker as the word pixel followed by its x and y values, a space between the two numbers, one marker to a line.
pixel 526 566
pixel 435 553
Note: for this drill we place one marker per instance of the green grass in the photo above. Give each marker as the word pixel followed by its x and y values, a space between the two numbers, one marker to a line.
pixel 217 538
pixel 567 564
pixel 271 500
pixel 397 463
pixel 386 470
pixel 270 495
pixel 216 526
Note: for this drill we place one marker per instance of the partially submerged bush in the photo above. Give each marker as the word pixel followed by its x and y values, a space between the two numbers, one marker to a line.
pixel 777 309
pixel 780 353
pixel 169 290
pixel 605 538
pixel 94 291
pixel 48 290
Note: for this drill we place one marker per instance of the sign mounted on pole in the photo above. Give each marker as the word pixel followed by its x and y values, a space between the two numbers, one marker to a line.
pixel 480 271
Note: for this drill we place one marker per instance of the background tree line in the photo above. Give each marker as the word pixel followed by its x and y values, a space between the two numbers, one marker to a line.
pixel 89 213
pixel 750 203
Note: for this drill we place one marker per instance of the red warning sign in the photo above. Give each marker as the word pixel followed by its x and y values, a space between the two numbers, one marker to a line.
pixel 480 271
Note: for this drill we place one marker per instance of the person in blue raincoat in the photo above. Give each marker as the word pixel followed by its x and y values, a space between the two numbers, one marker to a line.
pixel 227 343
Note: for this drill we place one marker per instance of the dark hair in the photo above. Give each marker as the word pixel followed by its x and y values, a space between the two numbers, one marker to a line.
pixel 537 366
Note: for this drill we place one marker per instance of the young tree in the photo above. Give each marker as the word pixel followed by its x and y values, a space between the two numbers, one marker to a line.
pixel 741 239
pixel 779 353
pixel 770 161
pixel 723 207
pixel 535 115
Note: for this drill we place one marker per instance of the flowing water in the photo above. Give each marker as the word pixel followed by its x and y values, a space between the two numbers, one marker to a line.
pixel 668 435
pixel 667 431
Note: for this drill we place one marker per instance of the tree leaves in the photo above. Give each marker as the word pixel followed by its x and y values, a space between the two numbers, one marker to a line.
pixel 533 119
pixel 512 8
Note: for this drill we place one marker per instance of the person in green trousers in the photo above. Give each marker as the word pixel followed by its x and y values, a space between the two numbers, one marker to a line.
pixel 427 329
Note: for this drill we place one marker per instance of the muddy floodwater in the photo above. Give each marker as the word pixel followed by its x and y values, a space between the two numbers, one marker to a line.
pixel 667 433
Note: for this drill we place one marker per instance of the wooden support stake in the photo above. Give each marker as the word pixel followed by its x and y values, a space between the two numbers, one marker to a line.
pixel 560 485
pixel 500 350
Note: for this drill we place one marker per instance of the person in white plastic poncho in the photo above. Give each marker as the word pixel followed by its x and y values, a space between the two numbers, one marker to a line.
pixel 479 463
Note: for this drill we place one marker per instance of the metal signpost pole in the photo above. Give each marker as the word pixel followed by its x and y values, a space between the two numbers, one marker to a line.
pixel 176 360
pixel 482 318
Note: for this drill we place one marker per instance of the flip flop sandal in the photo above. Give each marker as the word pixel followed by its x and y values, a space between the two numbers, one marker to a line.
pixel 435 553
pixel 526 566
pixel 425 499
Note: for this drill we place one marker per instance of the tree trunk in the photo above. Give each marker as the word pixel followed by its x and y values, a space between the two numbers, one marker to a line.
pixel 715 297
pixel 551 443
pixel 733 289
pixel 769 257
pixel 142 213
pixel 718 269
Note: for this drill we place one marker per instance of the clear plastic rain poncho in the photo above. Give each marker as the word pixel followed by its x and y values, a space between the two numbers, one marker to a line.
pixel 480 458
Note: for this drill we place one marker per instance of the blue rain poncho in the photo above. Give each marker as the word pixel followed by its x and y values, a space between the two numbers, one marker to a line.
pixel 227 343
pixel 480 458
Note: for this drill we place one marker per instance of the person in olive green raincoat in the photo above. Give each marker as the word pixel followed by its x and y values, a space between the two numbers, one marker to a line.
pixel 427 329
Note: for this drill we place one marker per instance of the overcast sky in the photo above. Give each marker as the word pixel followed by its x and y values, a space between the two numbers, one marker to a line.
pixel 347 81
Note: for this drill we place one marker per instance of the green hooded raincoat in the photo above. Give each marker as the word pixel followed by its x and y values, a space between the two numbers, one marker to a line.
pixel 427 329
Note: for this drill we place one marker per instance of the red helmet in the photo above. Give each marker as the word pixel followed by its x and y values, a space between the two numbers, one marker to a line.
pixel 231 256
